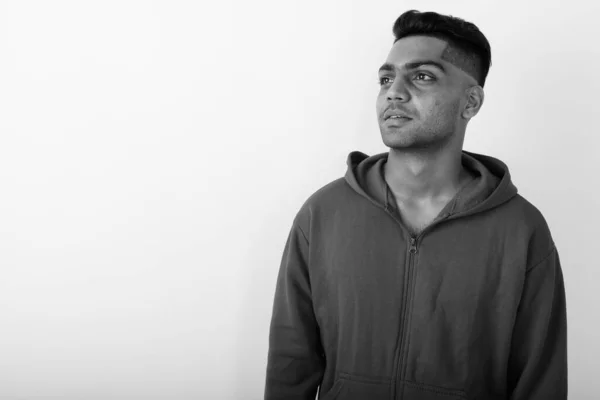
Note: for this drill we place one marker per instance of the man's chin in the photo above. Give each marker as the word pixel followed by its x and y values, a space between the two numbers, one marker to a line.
pixel 411 146
pixel 403 141
pixel 396 137
pixel 398 144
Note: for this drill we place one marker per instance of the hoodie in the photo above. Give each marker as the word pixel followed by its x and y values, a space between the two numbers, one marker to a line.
pixel 472 307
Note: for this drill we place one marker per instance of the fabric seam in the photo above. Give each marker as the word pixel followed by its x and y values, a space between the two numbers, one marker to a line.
pixel 542 260
pixel 303 234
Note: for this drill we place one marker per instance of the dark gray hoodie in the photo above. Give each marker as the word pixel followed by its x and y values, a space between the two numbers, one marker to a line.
pixel 473 307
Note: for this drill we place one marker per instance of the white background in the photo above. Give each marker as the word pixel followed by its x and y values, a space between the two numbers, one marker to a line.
pixel 154 153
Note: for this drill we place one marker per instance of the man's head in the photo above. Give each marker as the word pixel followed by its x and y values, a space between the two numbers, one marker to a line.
pixel 433 75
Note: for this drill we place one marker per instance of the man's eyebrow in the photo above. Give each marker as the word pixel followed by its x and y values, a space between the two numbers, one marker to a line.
pixel 387 67
pixel 413 65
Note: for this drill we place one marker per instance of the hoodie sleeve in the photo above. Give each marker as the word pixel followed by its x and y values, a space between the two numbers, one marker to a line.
pixel 295 364
pixel 538 359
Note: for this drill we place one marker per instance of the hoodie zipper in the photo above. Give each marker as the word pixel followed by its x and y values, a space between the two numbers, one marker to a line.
pixel 399 362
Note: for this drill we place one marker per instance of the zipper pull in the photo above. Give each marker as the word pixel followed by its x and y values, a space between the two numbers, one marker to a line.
pixel 413 245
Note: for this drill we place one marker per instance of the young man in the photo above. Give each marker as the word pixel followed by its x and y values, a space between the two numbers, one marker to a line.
pixel 422 274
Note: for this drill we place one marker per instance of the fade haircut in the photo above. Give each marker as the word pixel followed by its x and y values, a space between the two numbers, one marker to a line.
pixel 467 49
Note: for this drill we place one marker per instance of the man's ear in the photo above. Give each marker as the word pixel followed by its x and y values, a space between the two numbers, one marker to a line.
pixel 475 96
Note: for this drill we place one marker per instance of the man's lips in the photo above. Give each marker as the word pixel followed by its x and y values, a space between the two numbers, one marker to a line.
pixel 395 115
pixel 397 118
pixel 396 121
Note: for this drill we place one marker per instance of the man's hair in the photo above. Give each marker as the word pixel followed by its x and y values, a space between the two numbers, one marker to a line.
pixel 468 49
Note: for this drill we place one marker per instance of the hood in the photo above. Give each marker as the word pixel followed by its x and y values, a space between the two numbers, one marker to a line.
pixel 491 187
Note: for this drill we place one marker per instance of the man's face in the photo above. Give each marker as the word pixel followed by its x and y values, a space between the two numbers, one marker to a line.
pixel 430 96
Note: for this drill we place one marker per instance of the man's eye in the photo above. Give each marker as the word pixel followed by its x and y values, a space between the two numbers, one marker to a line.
pixel 384 81
pixel 424 77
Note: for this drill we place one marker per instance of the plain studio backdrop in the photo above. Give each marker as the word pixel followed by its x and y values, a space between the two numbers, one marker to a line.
pixel 153 155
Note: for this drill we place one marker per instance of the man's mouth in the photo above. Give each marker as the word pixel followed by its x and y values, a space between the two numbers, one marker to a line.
pixel 397 118
pixel 395 115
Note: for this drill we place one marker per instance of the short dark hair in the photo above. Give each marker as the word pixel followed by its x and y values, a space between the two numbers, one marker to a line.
pixel 468 48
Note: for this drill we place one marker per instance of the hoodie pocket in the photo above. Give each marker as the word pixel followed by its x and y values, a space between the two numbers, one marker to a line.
pixel 350 387
pixel 420 391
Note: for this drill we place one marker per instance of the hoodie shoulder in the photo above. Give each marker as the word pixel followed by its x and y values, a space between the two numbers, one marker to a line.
pixel 528 213
pixel 531 220
pixel 323 201
pixel 328 194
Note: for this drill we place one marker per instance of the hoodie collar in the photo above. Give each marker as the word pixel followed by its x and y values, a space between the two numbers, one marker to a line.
pixel 491 186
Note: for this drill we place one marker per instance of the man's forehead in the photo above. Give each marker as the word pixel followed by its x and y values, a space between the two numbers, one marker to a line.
pixel 413 48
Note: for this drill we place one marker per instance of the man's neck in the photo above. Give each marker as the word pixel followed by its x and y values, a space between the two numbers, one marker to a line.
pixel 417 177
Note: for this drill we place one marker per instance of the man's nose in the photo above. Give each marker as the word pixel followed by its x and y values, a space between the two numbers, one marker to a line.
pixel 398 91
